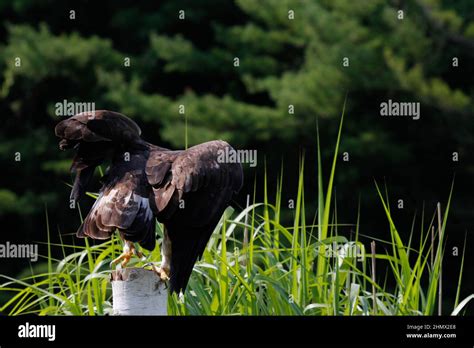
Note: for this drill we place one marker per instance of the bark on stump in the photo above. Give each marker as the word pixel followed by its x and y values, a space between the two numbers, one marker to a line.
pixel 137 291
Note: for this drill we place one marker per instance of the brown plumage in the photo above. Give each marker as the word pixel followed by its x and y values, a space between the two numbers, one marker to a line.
pixel 185 190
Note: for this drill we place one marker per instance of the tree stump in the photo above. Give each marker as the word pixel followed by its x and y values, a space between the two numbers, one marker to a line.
pixel 137 291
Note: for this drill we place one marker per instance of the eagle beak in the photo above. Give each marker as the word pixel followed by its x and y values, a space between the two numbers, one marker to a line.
pixel 65 144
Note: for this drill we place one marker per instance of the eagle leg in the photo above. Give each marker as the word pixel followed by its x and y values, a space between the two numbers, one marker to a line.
pixel 164 271
pixel 128 251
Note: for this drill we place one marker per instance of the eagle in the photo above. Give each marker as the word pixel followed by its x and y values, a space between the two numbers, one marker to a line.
pixel 185 190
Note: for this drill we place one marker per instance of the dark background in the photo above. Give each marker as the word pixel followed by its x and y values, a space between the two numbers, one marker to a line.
pixel 282 62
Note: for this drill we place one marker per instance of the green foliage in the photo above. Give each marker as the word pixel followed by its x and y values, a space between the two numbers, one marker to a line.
pixel 297 62
pixel 65 56
pixel 273 275
pixel 7 201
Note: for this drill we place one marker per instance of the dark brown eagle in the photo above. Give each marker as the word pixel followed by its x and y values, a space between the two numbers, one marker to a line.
pixel 187 191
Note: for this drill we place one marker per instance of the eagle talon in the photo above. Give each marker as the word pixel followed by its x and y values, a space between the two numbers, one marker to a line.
pixel 124 257
pixel 164 274
pixel 128 251
pixel 125 261
pixel 161 272
pixel 138 254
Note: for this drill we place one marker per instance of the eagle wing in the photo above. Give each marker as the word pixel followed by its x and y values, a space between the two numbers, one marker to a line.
pixel 123 201
pixel 191 189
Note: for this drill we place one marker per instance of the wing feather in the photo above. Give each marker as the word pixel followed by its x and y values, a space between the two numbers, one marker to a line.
pixel 123 204
pixel 205 187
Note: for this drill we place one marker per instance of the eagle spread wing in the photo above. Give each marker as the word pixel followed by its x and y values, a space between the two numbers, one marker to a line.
pixel 191 190
pixel 185 190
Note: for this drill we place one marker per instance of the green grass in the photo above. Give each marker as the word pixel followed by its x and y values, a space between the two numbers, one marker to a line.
pixel 255 264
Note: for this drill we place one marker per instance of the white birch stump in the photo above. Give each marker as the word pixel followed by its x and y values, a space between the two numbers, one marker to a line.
pixel 137 291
